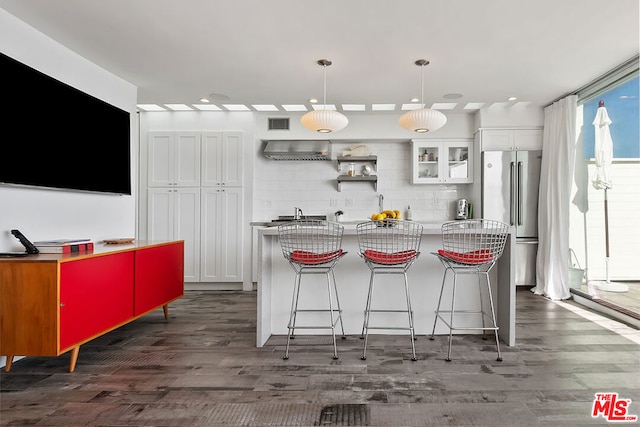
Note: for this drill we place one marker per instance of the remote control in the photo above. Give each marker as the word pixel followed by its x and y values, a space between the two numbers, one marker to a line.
pixel 31 249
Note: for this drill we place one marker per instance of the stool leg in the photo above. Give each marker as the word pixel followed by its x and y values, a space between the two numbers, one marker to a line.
pixel 453 304
pixel 410 314
pixel 335 287
pixel 435 321
pixel 367 312
pixel 292 315
pixel 493 317
pixel 333 325
pixel 482 314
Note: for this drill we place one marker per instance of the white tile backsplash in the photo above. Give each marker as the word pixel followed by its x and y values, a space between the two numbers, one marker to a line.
pixel 311 185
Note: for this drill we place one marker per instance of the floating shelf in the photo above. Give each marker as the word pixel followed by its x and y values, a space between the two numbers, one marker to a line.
pixel 358 159
pixel 358 178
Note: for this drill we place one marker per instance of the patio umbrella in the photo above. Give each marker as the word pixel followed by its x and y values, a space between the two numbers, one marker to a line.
pixel 602 181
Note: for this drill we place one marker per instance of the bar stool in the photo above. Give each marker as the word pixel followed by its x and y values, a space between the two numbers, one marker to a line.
pixel 470 247
pixel 313 247
pixel 388 247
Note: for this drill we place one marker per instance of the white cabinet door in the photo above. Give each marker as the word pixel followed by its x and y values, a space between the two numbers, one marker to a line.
pixel 222 159
pixel 173 159
pixel 439 162
pixel 174 214
pixel 511 139
pixel 221 235
pixel 527 139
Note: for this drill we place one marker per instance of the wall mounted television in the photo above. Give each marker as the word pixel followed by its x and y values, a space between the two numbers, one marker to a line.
pixel 61 137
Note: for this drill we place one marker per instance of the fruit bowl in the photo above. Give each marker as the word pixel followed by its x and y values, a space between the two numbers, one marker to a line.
pixel 387 222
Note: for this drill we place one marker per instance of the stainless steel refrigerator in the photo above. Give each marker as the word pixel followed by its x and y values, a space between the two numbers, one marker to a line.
pixel 510 182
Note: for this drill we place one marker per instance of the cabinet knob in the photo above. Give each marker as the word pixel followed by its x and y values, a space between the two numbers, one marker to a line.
pixel 61 304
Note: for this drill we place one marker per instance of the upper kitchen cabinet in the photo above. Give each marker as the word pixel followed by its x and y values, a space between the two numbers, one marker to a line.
pixel 222 159
pixel 510 139
pixel 173 159
pixel 441 162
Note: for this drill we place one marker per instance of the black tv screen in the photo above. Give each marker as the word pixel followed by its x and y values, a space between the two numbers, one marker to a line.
pixel 63 138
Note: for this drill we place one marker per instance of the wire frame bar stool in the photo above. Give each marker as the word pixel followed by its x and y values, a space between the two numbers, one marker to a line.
pixel 470 247
pixel 388 247
pixel 313 247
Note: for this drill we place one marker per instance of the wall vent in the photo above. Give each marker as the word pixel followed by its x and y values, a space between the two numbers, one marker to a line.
pixel 279 124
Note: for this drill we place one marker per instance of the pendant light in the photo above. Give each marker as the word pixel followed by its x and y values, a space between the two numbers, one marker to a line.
pixel 422 120
pixel 324 121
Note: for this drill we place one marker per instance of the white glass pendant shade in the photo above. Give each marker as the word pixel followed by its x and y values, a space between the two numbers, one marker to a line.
pixel 324 121
pixel 423 120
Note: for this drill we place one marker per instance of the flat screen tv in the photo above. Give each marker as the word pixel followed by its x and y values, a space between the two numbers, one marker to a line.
pixel 61 137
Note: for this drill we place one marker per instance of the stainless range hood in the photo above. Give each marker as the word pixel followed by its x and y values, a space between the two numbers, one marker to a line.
pixel 297 149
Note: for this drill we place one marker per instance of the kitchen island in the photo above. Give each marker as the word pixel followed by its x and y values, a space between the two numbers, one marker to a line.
pixel 275 286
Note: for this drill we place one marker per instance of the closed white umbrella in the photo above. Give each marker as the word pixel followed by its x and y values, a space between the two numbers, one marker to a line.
pixel 602 181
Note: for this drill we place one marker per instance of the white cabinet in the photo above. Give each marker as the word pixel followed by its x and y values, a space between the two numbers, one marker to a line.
pixel 194 193
pixel 174 214
pixel 222 159
pixel 221 235
pixel 510 139
pixel 439 162
pixel 173 159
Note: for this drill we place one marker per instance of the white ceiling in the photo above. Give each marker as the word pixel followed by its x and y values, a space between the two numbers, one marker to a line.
pixel 265 52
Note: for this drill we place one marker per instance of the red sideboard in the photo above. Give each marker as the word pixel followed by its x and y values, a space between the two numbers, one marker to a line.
pixel 51 304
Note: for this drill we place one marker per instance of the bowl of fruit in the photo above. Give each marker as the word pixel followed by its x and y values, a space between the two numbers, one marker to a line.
pixel 387 218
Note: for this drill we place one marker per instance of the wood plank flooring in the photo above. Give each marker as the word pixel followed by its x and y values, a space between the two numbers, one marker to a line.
pixel 201 368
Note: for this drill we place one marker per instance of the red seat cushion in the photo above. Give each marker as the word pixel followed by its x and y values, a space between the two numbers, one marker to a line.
pixel 480 256
pixel 306 257
pixel 389 258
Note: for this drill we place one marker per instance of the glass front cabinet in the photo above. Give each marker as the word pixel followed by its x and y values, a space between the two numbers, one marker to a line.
pixel 441 161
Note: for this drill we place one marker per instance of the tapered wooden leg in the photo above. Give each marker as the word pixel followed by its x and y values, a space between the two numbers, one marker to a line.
pixel 8 363
pixel 165 308
pixel 74 358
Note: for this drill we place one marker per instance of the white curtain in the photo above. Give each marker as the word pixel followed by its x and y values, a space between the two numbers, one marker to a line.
pixel 558 145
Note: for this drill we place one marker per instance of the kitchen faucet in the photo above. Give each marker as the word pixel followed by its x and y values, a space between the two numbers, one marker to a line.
pixel 380 203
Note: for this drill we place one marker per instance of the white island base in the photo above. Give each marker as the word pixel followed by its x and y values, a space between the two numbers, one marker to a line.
pixel 276 277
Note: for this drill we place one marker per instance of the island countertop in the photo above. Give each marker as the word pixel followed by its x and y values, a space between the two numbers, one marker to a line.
pixel 275 286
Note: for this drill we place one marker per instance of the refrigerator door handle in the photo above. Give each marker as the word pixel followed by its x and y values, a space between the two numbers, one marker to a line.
pixel 519 193
pixel 513 195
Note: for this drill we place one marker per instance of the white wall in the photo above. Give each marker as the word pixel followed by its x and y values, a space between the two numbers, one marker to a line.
pixel 49 214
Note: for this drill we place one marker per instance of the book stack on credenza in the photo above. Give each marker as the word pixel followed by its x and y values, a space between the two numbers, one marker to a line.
pixel 64 246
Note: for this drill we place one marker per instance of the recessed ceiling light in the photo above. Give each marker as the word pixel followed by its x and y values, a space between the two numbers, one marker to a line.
pixel 411 106
pixel 207 107
pixel 313 100
pixel 178 107
pixel 236 107
pixel 444 105
pixel 453 96
pixel 205 100
pixel 265 107
pixel 474 106
pixel 383 107
pixel 353 107
pixel 512 98
pixel 415 100
pixel 294 107
pixel 151 107
pixel 324 107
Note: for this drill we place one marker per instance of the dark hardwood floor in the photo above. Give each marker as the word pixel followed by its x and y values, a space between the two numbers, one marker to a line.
pixel 201 368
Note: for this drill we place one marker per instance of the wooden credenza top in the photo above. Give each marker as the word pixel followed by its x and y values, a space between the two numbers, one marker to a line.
pixel 99 249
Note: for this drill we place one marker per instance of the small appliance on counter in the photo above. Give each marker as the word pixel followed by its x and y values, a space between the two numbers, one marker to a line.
pixel 462 212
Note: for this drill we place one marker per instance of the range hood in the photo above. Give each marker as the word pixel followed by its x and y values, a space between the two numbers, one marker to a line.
pixel 297 149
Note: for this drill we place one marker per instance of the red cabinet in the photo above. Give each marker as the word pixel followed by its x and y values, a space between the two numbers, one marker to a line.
pixel 156 278
pixel 50 304
pixel 95 295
